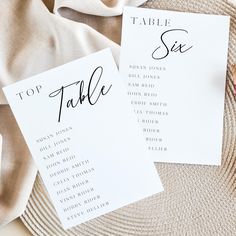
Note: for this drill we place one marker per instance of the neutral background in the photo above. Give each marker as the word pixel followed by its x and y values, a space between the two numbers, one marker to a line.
pixel 16 227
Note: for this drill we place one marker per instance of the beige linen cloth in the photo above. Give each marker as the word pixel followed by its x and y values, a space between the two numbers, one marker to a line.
pixel 32 40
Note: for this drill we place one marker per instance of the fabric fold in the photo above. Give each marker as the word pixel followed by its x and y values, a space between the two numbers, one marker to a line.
pixel 96 7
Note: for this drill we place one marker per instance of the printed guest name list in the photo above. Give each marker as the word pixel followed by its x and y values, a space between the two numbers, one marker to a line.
pixel 174 66
pixel 84 138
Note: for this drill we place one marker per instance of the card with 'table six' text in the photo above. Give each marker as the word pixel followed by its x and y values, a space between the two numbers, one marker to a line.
pixel 174 67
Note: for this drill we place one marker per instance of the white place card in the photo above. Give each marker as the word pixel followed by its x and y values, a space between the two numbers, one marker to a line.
pixel 174 65
pixel 84 137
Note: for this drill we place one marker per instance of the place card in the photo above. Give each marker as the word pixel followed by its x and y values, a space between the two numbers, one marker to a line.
pixel 174 66
pixel 84 137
